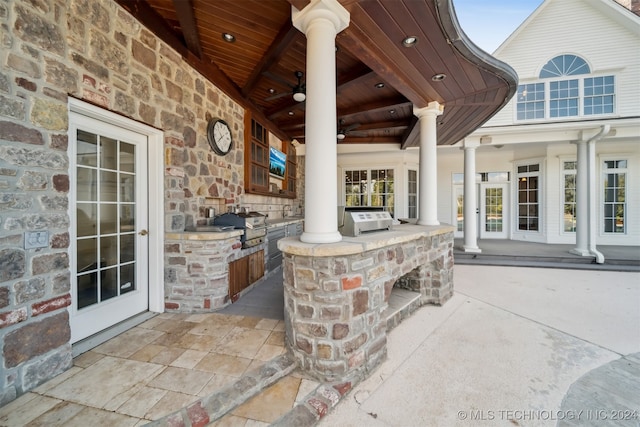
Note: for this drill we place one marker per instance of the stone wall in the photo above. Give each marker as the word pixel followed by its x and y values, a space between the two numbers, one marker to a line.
pixel 335 295
pixel 95 51
pixel 197 270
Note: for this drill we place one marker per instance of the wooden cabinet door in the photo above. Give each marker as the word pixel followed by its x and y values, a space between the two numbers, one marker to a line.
pixel 256 266
pixel 238 278
pixel 244 272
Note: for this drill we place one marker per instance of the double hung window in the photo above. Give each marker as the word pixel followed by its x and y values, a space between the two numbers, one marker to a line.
pixel 566 88
pixel 569 196
pixel 615 186
pixel 370 187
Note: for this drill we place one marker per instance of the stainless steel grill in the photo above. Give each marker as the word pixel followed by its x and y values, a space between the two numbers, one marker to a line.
pixel 253 223
pixel 355 221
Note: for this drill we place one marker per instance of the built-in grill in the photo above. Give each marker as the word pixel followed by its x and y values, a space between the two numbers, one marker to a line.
pixel 354 221
pixel 253 223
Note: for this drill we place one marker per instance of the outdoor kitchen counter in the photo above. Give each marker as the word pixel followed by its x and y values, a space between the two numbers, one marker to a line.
pixel 203 235
pixel 354 245
pixel 336 294
pixel 283 221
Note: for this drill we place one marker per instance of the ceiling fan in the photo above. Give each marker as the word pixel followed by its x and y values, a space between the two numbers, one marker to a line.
pixel 344 130
pixel 297 91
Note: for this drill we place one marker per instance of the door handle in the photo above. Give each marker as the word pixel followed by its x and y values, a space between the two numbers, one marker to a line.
pixel 143 232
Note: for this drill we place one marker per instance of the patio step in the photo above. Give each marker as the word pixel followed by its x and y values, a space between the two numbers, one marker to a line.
pixel 210 408
pixel 569 262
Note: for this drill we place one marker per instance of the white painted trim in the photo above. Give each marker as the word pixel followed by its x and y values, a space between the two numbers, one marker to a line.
pixel 506 207
pixel 156 192
pixel 600 174
pixel 533 236
pixel 561 193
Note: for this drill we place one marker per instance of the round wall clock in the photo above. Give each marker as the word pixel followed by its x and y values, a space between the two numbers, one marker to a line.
pixel 219 136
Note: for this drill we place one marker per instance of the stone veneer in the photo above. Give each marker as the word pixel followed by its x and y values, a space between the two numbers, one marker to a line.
pixel 95 51
pixel 197 269
pixel 335 294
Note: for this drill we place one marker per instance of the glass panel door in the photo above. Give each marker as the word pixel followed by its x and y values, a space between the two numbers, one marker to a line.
pixel 492 211
pixel 109 258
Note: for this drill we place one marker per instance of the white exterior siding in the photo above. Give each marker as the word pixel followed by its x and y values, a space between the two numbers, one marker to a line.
pixel 548 35
pixel 605 35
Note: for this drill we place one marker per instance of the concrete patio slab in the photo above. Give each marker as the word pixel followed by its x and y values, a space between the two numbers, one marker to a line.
pixel 599 307
pixel 504 350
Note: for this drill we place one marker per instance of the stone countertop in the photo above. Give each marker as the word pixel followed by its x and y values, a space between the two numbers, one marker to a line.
pixel 203 235
pixel 354 245
pixel 281 222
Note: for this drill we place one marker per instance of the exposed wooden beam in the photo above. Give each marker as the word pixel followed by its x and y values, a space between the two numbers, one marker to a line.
pixel 287 106
pixel 151 19
pixel 410 135
pixel 366 140
pixel 385 104
pixel 354 76
pixel 184 10
pixel 283 40
pixel 298 131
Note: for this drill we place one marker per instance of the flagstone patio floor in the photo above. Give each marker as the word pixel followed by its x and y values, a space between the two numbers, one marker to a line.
pixel 161 366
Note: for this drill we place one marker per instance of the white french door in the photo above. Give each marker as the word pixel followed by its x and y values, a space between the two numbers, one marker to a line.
pixel 109 210
pixel 493 211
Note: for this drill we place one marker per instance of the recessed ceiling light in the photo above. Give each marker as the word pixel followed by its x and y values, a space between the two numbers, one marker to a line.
pixel 271 90
pixel 392 111
pixel 379 85
pixel 438 77
pixel 291 113
pixel 228 37
pixel 409 41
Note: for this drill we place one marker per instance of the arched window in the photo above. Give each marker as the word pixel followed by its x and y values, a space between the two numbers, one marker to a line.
pixel 565 65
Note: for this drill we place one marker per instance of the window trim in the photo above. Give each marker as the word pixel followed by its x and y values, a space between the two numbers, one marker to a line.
pixel 562 173
pixel 287 147
pixel 581 97
pixel 584 62
pixel 343 171
pixel 541 198
pixel 409 194
pixel 601 171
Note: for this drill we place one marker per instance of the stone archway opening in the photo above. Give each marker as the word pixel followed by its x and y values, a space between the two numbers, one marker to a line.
pixel 403 298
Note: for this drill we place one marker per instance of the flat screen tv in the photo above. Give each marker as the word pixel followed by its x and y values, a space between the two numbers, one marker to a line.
pixel 277 163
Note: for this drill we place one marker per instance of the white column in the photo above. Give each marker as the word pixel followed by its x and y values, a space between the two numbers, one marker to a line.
pixel 470 199
pixel 586 186
pixel 592 186
pixel 428 190
pixel 320 21
pixel 582 201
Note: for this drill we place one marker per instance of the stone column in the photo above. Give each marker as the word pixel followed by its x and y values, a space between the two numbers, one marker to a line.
pixel 428 191
pixel 470 199
pixel 320 21
pixel 582 201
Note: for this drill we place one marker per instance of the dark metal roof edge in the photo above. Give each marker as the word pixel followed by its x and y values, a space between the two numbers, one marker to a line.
pixel 459 41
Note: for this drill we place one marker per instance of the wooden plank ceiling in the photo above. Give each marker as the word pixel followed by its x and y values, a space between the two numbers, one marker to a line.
pixel 379 80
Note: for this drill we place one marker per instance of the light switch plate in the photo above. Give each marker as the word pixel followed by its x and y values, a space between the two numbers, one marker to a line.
pixel 36 239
